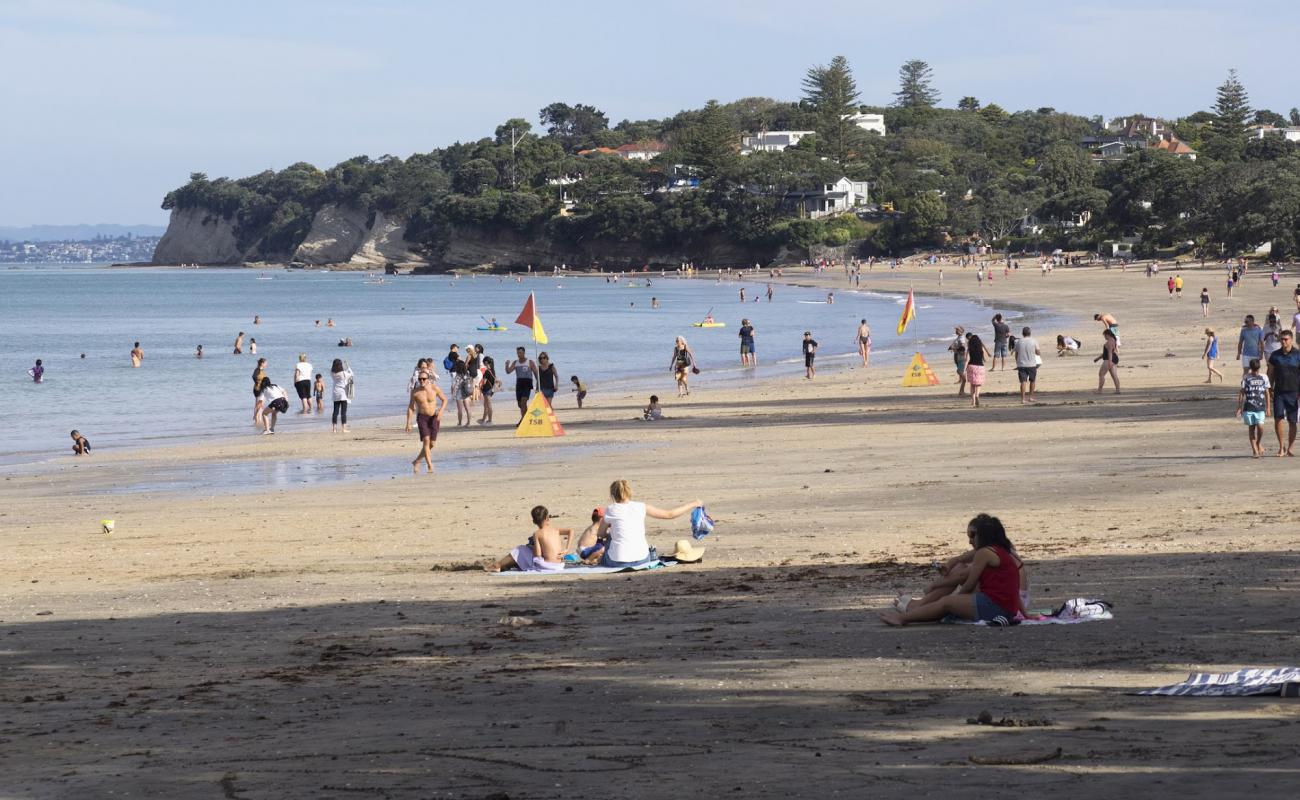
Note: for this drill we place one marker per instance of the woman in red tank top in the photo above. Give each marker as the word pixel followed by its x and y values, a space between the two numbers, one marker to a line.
pixel 991 588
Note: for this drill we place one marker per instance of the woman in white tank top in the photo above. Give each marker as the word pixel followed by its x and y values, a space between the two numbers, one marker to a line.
pixel 624 523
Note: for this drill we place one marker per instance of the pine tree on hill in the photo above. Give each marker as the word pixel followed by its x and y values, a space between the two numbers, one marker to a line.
pixel 914 89
pixel 1226 139
pixel 831 90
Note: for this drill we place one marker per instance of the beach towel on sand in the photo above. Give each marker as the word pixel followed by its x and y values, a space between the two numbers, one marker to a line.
pixel 583 569
pixel 1282 681
pixel 1072 612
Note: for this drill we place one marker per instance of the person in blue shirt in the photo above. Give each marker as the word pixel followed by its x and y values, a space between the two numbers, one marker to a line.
pixel 1250 343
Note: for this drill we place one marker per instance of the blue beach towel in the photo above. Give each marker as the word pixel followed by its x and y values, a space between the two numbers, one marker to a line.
pixel 701 523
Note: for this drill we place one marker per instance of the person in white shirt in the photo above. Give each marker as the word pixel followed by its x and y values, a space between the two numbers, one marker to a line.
pixel 341 378
pixel 302 373
pixel 1027 360
pixel 274 403
pixel 624 524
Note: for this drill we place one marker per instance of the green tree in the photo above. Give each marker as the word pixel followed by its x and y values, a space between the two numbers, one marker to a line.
pixel 1226 138
pixel 924 216
pixel 914 89
pixel 833 94
pixel 475 176
pixel 968 103
pixel 1295 116
pixel 1263 116
pixel 710 145
pixel 574 127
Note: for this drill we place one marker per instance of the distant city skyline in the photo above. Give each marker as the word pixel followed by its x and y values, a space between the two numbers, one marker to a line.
pixel 111 103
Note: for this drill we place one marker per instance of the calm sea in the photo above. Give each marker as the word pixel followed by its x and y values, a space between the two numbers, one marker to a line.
pixel 606 333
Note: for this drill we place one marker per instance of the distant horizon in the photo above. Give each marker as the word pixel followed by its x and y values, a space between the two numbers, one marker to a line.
pixel 144 92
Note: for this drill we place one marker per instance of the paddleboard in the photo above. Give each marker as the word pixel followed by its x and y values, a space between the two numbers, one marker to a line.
pixel 812 302
pixel 709 324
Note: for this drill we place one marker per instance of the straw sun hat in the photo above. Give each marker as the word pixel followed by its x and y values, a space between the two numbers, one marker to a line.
pixel 687 553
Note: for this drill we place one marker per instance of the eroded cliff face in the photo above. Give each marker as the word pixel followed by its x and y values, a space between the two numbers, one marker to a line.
pixel 335 236
pixel 197 236
pixel 343 237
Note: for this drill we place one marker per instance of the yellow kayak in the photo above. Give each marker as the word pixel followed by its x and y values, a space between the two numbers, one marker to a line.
pixel 709 324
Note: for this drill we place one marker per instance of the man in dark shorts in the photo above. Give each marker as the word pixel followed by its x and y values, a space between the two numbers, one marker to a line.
pixel 1001 332
pixel 1284 377
pixel 809 355
pixel 428 403
pixel 747 355
pixel 525 371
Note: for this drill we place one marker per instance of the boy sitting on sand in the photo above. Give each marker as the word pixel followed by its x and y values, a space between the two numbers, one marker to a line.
pixel 591 545
pixel 543 551
pixel 653 411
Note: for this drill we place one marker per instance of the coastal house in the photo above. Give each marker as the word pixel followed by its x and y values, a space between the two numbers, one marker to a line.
pixel 1138 125
pixel 1112 151
pixel 872 123
pixel 641 151
pixel 1175 146
pixel 1291 133
pixel 828 199
pixel 771 141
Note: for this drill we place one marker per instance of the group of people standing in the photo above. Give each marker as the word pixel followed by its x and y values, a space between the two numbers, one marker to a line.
pixel 270 400
pixel 973 359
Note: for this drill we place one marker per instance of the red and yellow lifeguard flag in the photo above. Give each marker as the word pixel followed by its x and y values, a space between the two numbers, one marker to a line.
pixel 909 313
pixel 529 319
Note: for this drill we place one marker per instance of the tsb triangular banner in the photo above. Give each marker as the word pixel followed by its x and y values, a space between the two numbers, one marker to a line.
pixel 539 419
pixel 919 373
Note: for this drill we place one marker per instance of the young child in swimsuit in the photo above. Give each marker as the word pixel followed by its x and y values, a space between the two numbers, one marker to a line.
pixel 580 388
pixel 80 444
pixel 652 412
pixel 318 391
pixel 544 551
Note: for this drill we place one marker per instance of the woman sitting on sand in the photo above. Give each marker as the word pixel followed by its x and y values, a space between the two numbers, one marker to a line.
pixel 953 574
pixel 624 524
pixel 1067 346
pixel 991 588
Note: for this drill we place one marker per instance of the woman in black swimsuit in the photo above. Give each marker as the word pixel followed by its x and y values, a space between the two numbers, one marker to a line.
pixel 682 365
pixel 1109 358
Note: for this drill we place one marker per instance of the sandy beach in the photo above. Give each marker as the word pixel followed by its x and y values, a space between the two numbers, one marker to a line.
pixel 341 640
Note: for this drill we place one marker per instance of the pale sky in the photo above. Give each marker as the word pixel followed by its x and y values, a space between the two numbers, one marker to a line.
pixel 108 104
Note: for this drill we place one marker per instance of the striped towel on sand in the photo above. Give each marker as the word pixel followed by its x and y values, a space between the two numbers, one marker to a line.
pixel 1283 681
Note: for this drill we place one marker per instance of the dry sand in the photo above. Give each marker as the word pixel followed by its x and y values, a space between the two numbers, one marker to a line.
pixel 332 642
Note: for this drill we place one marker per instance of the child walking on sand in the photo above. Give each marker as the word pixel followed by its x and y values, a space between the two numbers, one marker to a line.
pixel 1211 352
pixel 1253 402
pixel 580 388
pixel 544 551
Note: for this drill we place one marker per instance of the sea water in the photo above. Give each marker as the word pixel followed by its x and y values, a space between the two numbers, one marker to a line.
pixel 82 322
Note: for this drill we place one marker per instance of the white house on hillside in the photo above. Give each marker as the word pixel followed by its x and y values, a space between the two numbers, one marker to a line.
pixel 872 123
pixel 771 141
pixel 831 198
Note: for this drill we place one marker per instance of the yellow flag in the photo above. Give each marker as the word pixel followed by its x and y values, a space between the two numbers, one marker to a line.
pixel 909 313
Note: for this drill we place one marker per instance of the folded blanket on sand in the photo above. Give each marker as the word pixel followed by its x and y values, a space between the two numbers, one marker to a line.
pixel 583 569
pixel 1283 681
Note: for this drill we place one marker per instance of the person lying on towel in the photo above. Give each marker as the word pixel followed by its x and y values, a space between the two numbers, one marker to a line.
pixel 981 584
pixel 543 552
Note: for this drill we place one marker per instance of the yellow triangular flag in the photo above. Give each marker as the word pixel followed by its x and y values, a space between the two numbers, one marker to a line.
pixel 539 419
pixel 919 373
pixel 539 333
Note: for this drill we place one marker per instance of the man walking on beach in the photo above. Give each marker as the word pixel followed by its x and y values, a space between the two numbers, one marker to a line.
pixel 809 355
pixel 1250 343
pixel 428 403
pixel 525 371
pixel 1284 377
pixel 1001 332
pixel 747 356
pixel 1027 358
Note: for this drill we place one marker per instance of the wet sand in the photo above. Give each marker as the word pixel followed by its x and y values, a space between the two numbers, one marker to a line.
pixel 337 640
